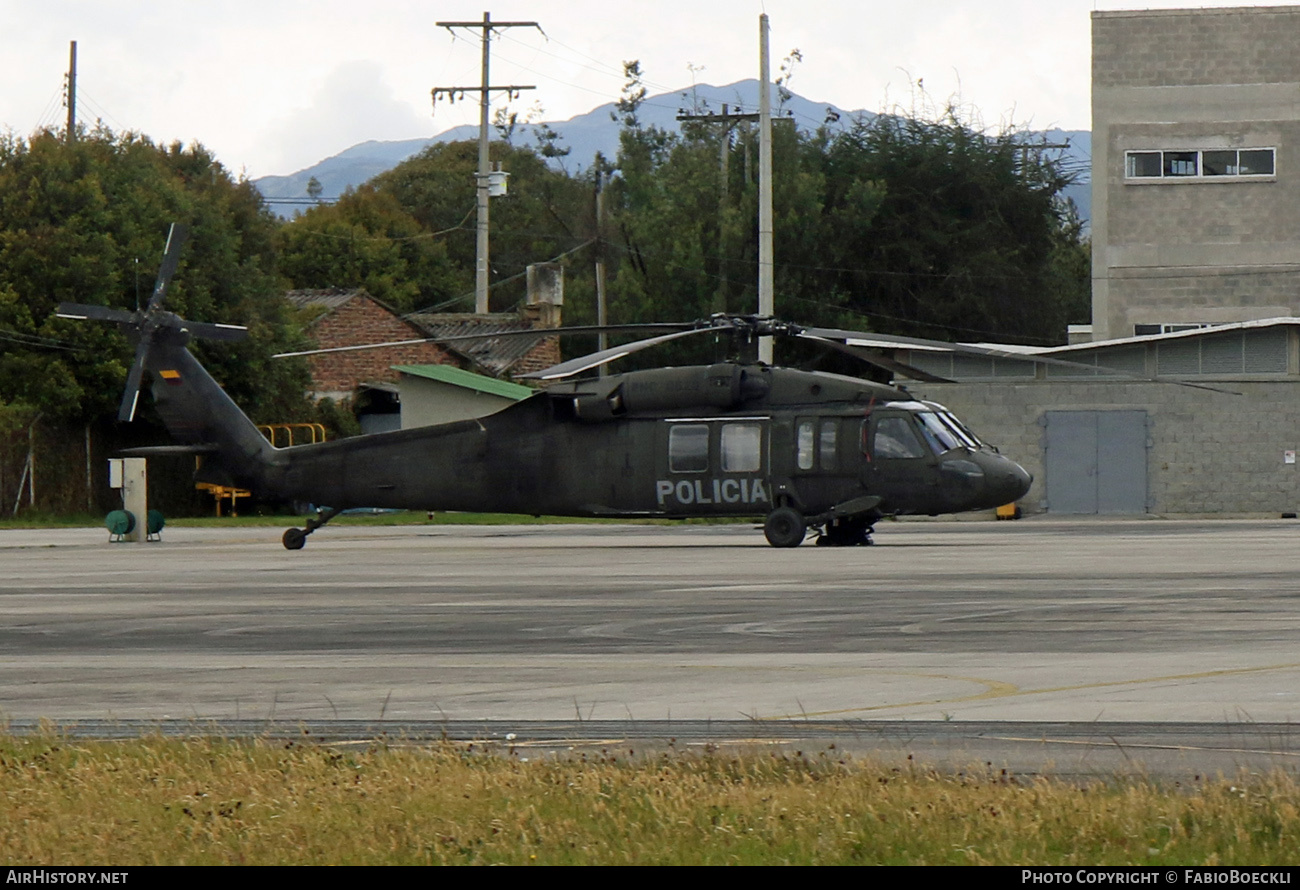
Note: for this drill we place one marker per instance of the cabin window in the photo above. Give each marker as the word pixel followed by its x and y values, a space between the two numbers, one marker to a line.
pixel 688 448
pixel 827 444
pixel 742 448
pixel 804 446
pixel 896 439
pixel 816 444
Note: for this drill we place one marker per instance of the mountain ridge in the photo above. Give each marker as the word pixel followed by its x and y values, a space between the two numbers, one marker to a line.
pixel 597 130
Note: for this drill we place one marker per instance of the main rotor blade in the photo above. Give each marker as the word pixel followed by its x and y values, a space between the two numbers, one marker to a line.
pixel 131 395
pixel 176 237
pixel 94 313
pixel 994 352
pixel 596 359
pixel 880 360
pixel 208 331
pixel 538 333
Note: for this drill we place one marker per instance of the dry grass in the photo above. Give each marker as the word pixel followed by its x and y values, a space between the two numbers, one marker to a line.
pixel 209 800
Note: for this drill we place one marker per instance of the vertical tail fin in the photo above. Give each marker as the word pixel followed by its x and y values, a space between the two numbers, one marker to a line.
pixel 197 411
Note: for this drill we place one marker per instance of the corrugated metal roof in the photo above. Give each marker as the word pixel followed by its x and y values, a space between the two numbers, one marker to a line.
pixel 494 354
pixel 329 298
pixel 468 380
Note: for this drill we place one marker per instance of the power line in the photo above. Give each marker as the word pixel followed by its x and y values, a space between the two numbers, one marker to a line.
pixel 423 235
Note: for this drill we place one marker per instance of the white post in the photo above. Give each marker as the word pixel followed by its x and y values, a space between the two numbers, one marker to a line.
pixel 135 496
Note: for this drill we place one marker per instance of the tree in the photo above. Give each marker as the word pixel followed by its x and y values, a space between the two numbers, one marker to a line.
pixel 936 229
pixel 898 223
pixel 546 214
pixel 86 221
pixel 368 240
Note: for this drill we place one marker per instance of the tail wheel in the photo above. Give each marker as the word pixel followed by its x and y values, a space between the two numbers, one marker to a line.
pixel 294 539
pixel 785 527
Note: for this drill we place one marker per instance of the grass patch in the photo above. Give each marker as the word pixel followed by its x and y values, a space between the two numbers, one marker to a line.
pixel 207 800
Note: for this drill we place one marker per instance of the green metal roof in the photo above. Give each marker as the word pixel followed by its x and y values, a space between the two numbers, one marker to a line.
pixel 467 380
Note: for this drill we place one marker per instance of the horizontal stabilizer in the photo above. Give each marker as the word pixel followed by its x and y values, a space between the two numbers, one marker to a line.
pixel 169 450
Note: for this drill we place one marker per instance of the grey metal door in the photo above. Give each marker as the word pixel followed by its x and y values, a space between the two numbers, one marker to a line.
pixel 1096 461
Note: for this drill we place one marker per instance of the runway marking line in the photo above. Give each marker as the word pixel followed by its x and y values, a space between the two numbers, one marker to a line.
pixel 999 689
pixel 1096 742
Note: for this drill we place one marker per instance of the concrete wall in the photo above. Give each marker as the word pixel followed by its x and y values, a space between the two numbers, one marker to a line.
pixel 1210 453
pixel 1205 250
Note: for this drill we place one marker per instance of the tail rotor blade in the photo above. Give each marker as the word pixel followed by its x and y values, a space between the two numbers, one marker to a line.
pixel 176 238
pixel 207 331
pixel 131 396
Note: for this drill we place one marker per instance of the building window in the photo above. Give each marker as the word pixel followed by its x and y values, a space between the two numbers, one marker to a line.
pixel 1200 164
pixel 1150 330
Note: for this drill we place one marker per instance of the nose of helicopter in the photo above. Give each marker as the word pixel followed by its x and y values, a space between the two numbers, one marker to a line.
pixel 1010 482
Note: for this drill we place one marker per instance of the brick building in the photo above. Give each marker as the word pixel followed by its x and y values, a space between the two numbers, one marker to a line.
pixel 1196 168
pixel 346 317
pixel 351 317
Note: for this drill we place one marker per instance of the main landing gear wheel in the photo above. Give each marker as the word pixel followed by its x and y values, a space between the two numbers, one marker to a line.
pixel 294 539
pixel 785 527
pixel 846 533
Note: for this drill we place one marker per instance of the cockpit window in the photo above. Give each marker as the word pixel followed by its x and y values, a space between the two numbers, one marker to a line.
pixel 938 434
pixel 961 429
pixel 896 439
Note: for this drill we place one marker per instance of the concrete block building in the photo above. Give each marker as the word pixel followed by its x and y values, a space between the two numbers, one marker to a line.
pixel 1101 443
pixel 1196 278
pixel 1196 168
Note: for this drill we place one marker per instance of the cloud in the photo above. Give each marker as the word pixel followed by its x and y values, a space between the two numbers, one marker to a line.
pixel 353 104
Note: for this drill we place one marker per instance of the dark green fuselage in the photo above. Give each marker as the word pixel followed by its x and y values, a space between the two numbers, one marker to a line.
pixel 719 440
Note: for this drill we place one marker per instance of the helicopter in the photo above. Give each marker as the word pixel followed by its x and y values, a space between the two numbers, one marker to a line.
pixel 807 451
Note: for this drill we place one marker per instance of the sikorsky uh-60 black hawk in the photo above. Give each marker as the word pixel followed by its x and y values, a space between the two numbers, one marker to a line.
pixel 805 450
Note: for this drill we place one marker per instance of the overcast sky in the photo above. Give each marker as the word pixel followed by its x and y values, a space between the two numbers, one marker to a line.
pixel 276 85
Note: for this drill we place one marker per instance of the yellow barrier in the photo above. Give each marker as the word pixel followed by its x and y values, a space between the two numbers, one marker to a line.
pixel 223 492
pixel 315 433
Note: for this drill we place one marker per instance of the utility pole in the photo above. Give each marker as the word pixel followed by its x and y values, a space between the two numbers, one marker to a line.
pixel 602 313
pixel 72 93
pixel 726 118
pixel 484 165
pixel 766 284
